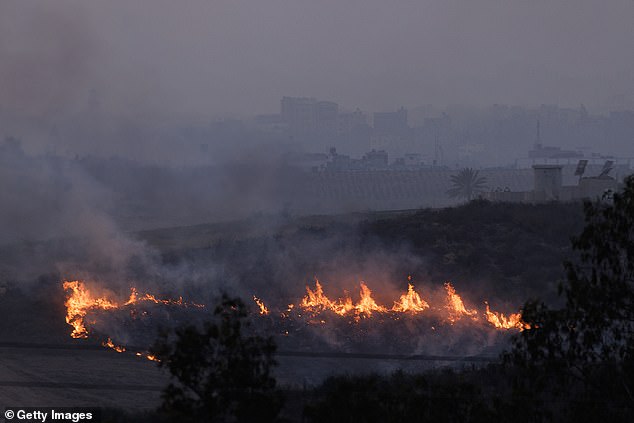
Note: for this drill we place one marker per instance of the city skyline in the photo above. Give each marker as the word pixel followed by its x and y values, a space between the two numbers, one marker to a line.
pixel 238 58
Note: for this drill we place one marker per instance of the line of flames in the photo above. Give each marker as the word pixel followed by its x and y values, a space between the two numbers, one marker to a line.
pixel 315 301
pixel 81 301
pixel 122 349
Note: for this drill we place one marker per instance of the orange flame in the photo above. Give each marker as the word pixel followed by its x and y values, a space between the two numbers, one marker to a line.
pixel 263 309
pixel 134 298
pixel 500 321
pixel 456 306
pixel 110 344
pixel 152 357
pixel 411 302
pixel 148 356
pixel 343 306
pixel 78 304
pixel 81 301
pixel 367 304
pixel 316 301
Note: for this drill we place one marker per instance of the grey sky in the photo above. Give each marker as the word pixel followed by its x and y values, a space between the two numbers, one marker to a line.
pixel 206 57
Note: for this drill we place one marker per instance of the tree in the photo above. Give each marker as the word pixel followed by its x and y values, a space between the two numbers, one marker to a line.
pixel 590 339
pixel 466 184
pixel 219 374
pixel 434 396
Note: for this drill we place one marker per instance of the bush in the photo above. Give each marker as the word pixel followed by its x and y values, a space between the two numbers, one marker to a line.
pixel 218 373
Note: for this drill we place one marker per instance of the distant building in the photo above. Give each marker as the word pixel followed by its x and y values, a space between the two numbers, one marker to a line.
pixel 375 160
pixel 372 160
pixel 351 122
pixel 391 122
pixel 271 123
pixel 548 186
pixel 300 113
pixel 540 151
pixel 548 182
pixel 327 117
pixel 307 116
pixel 412 159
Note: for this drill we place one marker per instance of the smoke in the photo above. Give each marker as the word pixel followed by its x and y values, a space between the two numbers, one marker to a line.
pixel 80 218
pixel 63 216
pixel 98 105
pixel 48 54
pixel 55 217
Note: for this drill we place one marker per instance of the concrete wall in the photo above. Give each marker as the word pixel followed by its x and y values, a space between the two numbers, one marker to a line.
pixel 548 182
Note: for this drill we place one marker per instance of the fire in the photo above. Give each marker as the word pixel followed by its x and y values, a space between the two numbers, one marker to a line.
pixel 135 298
pixel 152 357
pixel 263 309
pixel 367 304
pixel 149 356
pixel 500 321
pixel 316 301
pixel 81 301
pixel 343 306
pixel 111 344
pixel 411 302
pixel 456 306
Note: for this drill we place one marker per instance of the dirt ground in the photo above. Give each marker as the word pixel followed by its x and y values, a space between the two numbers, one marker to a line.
pixel 78 378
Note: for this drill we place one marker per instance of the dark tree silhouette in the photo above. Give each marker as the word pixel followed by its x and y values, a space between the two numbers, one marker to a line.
pixel 219 374
pixel 591 339
pixel 466 184
pixel 400 397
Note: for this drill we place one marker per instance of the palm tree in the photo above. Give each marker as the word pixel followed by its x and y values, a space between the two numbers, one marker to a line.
pixel 466 184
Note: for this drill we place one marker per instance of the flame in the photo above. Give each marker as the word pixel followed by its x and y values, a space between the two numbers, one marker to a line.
pixel 80 301
pixel 456 306
pixel 135 298
pixel 500 321
pixel 78 304
pixel 147 355
pixel 367 304
pixel 343 306
pixel 110 344
pixel 121 349
pixel 411 302
pixel 263 309
pixel 316 300
pixel 152 357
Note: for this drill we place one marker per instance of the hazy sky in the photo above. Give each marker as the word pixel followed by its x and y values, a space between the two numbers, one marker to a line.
pixel 205 57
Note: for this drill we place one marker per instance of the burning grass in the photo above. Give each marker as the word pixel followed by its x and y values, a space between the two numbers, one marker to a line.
pixel 410 303
pixel 315 321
